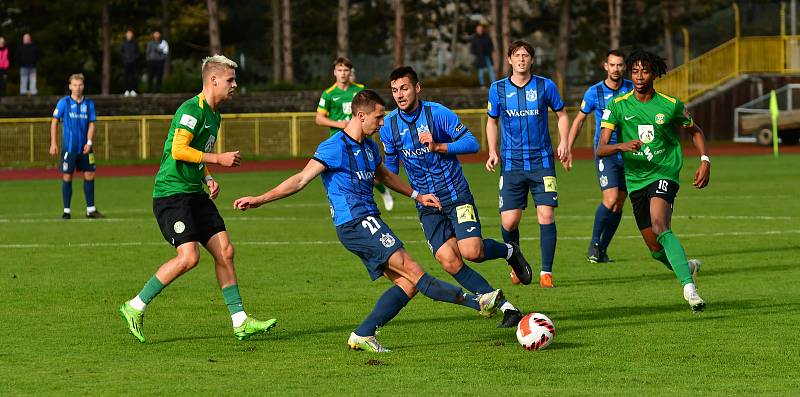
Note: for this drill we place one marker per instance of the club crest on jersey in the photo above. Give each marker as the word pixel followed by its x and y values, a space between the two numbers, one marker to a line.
pixel 387 240
pixel 369 154
pixel 179 227
pixel 531 95
pixel 83 108
pixel 660 118
pixel 423 129
pixel 646 133
pixel 603 181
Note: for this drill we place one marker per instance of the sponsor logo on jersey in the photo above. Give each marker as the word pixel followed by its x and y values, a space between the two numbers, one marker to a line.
pixel 465 213
pixel 522 113
pixel 365 175
pixel 511 94
pixel 646 133
pixel 629 117
pixel 415 152
pixel 188 120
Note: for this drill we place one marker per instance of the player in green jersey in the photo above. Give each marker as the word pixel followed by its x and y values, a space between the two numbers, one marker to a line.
pixel 186 215
pixel 335 110
pixel 647 122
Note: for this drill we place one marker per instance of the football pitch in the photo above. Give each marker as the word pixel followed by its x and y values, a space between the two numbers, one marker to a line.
pixel 621 328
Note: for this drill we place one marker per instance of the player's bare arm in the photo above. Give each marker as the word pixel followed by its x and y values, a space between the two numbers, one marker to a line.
pixel 491 142
pixel 288 187
pixel 563 150
pixel 53 130
pixel 394 182
pixel 323 120
pixel 574 133
pixel 604 149
pixel 227 159
pixel 89 135
pixel 703 174
pixel 426 138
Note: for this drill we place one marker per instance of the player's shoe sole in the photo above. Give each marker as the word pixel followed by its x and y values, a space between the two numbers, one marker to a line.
pixel 251 327
pixel 134 319
pixel 489 302
pixel 366 343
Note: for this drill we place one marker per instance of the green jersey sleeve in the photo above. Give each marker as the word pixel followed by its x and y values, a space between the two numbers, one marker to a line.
pixel 610 117
pixel 324 105
pixel 189 118
pixel 681 118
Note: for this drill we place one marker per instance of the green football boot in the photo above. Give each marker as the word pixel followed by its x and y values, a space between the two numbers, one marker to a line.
pixel 135 320
pixel 251 327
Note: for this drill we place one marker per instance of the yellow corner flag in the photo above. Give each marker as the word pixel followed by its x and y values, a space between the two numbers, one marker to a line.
pixel 773 112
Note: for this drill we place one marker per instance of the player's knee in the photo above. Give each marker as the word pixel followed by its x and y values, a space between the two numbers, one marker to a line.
pixel 473 252
pixel 188 261
pixel 659 227
pixel 227 253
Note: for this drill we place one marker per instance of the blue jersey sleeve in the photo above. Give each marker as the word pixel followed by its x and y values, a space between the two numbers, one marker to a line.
pixel 92 115
pixel 329 154
pixel 552 96
pixel 492 106
pixel 589 102
pixel 462 139
pixel 61 109
pixel 392 161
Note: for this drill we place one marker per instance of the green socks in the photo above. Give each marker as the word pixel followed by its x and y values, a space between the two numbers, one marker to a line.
pixel 234 301
pixel 380 188
pixel 661 256
pixel 151 289
pixel 676 255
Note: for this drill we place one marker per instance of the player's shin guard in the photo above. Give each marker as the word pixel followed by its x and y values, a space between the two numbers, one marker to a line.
pixel 510 236
pixel 600 220
pixel 445 292
pixel 381 188
pixel 661 256
pixel 233 299
pixel 88 191
pixel 151 289
pixel 472 280
pixel 547 242
pixel 387 306
pixel 66 193
pixel 676 256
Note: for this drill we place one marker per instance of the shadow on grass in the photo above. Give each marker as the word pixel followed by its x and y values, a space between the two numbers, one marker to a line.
pixel 667 275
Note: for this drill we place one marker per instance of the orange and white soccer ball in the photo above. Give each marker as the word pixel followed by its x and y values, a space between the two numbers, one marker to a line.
pixel 535 331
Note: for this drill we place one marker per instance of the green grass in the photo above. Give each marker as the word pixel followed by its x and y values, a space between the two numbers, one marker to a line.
pixel 622 328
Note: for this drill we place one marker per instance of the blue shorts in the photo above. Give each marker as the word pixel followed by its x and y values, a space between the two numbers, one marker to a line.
pixel 70 161
pixel 371 240
pixel 459 219
pixel 611 173
pixel 514 187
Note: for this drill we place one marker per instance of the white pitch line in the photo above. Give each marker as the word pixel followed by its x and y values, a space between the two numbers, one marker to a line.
pixel 334 242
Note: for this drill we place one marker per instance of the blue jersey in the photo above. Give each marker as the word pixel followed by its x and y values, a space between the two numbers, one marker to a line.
pixel 525 141
pixel 349 176
pixel 75 118
pixel 429 172
pixel 595 99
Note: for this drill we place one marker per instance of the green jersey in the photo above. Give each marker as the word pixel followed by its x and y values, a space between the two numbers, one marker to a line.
pixel 655 124
pixel 335 103
pixel 195 118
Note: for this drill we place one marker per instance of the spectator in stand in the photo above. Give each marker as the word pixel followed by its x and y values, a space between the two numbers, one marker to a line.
pixel 129 50
pixel 28 56
pixel 481 47
pixel 4 63
pixel 156 54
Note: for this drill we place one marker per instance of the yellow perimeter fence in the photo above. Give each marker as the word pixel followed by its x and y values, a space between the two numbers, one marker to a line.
pixel 268 135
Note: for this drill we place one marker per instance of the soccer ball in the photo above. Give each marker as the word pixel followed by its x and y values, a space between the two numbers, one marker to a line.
pixel 535 331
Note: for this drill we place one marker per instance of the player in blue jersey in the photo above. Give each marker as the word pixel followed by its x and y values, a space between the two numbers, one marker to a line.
pixel 427 137
pixel 349 164
pixel 610 169
pixel 77 116
pixel 520 102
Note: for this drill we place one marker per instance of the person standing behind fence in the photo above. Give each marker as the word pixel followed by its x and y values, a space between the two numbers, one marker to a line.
pixel 4 63
pixel 78 116
pixel 129 50
pixel 28 56
pixel 156 53
pixel 481 47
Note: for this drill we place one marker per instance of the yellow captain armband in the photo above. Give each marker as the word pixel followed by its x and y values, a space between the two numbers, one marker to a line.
pixel 181 149
pixel 608 125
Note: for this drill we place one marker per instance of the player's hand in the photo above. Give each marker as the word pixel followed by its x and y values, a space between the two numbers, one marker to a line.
pixel 243 203
pixel 86 149
pixel 631 146
pixel 53 149
pixel 229 159
pixel 702 176
pixel 426 138
pixel 492 161
pixel 429 200
pixel 213 188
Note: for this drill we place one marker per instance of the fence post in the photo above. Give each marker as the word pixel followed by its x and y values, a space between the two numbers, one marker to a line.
pixel 142 133
pixel 257 143
pixel 295 141
pixel 33 153
pixel 738 37
pixel 105 141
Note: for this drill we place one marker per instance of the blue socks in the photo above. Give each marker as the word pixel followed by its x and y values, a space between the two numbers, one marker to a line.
pixel 493 249
pixel 472 280
pixel 611 224
pixel 388 305
pixel 439 290
pixel 605 225
pixel 599 223
pixel 548 244
pixel 510 236
pixel 66 193
pixel 88 190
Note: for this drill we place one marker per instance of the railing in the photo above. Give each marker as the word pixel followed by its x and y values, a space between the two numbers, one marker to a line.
pixel 265 135
pixel 758 54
